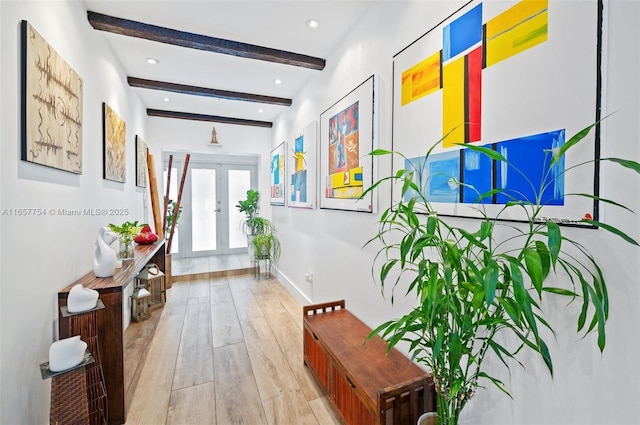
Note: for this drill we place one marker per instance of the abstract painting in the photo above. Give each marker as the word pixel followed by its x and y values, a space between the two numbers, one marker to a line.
pixel 518 77
pixel 114 138
pixel 302 168
pixel 141 162
pixel 51 119
pixel 348 131
pixel 277 175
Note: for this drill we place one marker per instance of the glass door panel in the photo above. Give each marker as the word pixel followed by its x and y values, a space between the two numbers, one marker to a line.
pixel 239 181
pixel 203 210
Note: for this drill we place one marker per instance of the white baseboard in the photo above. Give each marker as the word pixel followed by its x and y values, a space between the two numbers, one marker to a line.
pixel 293 289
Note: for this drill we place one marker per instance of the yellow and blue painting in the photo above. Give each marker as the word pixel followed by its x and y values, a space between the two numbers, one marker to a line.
pixel 277 175
pixel 516 77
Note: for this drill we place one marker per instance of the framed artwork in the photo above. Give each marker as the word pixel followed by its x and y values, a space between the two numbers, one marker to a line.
pixel 277 175
pixel 51 109
pixel 141 162
pixel 519 77
pixel 348 131
pixel 114 145
pixel 302 168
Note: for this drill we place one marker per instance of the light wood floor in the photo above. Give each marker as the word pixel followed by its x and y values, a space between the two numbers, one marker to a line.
pixel 223 351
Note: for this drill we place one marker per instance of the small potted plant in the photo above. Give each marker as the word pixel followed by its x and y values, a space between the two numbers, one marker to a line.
pixel 249 206
pixel 126 232
pixel 266 245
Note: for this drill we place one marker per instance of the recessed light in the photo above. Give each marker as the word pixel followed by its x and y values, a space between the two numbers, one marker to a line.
pixel 260 111
pixel 313 23
pixel 153 61
pixel 277 81
pixel 166 99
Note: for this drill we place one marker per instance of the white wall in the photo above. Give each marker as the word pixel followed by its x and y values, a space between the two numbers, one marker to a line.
pixel 43 254
pixel 194 137
pixel 587 388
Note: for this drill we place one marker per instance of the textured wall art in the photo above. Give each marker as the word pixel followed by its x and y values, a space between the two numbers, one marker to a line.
pixel 51 119
pixel 303 168
pixel 347 134
pixel 277 175
pixel 518 77
pixel 141 162
pixel 114 145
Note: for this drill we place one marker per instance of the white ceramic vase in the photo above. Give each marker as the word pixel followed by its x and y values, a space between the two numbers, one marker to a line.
pixel 81 299
pixel 105 258
pixel 66 353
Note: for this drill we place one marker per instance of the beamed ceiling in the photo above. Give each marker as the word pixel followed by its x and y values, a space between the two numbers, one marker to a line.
pixel 219 60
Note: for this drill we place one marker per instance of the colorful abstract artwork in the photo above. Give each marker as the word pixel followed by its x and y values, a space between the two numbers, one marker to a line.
pixel 517 77
pixel 347 136
pixel 141 162
pixel 277 175
pixel 114 145
pixel 303 168
pixel 51 122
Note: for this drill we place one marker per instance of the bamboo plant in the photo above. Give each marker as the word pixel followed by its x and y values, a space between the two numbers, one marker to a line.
pixel 475 284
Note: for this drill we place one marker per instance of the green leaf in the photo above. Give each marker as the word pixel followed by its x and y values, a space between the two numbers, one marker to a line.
pixel 495 382
pixel 534 268
pixel 486 228
pixel 379 152
pixel 473 239
pixel 432 223
pixel 554 239
pixel 490 282
pixel 632 165
pixel 571 142
pixel 560 291
pixel 599 199
pixel 613 230
pixel 546 356
pixel 487 151
pixel 545 258
pixel 600 318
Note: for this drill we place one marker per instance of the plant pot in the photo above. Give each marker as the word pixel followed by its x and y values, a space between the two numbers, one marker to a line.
pixel 429 418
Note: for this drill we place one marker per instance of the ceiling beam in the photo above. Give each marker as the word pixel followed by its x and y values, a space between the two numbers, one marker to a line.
pixel 210 118
pixel 201 42
pixel 204 91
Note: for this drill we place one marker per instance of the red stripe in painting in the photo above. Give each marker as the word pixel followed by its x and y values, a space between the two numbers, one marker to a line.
pixel 474 76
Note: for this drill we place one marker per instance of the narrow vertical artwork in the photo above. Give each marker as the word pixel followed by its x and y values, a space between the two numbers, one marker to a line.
pixel 114 145
pixel 513 76
pixel 277 175
pixel 51 91
pixel 141 162
pixel 302 168
pixel 348 130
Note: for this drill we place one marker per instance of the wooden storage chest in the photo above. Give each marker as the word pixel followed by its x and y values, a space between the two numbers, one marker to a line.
pixel 365 385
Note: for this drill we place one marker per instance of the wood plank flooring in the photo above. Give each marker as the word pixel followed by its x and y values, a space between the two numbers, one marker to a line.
pixel 223 351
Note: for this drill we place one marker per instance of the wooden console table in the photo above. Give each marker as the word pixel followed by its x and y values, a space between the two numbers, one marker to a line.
pixel 365 385
pixel 110 325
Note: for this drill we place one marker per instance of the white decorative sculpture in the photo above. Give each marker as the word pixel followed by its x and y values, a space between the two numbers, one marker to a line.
pixel 81 299
pixel 105 258
pixel 66 353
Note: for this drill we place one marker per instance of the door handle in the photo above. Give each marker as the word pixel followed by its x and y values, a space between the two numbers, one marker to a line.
pixel 218 210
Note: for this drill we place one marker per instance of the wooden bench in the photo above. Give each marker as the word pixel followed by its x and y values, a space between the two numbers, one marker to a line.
pixel 365 384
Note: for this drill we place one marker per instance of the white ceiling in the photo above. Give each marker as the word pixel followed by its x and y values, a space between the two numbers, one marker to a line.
pixel 275 24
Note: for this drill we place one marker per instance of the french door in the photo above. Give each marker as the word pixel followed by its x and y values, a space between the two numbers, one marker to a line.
pixel 210 223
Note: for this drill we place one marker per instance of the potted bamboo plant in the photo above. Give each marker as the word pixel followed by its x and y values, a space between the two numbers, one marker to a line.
pixel 474 285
